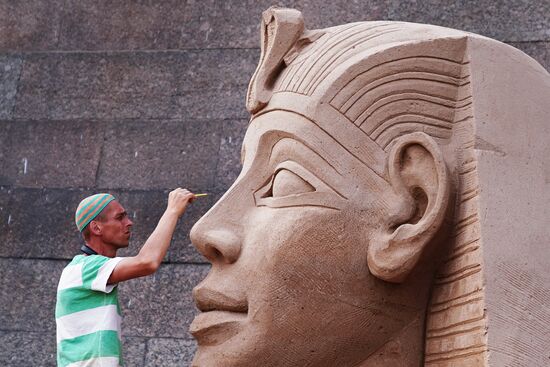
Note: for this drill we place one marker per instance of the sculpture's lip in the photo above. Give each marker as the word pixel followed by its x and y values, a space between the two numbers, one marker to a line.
pixel 211 300
pixel 215 327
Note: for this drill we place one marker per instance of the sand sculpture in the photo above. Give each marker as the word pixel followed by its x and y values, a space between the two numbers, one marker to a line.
pixel 392 208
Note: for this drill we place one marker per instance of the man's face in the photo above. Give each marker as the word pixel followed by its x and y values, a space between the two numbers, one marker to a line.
pixel 115 226
pixel 289 284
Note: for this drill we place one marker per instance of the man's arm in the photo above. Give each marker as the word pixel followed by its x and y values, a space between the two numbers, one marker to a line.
pixel 148 260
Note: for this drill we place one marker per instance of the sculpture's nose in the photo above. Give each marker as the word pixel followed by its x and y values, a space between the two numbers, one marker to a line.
pixel 218 243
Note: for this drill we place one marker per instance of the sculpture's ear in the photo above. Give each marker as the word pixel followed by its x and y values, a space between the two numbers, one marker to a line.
pixel 419 177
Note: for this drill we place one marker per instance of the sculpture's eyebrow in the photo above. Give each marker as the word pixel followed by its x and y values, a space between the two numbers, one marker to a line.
pixel 304 144
pixel 335 126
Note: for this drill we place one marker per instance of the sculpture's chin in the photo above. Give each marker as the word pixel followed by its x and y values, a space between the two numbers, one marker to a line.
pixel 216 327
pixel 224 339
pixel 249 347
pixel 226 354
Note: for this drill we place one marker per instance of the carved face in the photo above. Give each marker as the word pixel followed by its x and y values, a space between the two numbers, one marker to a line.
pixel 289 284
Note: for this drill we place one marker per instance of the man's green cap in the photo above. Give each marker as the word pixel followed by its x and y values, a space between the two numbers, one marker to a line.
pixel 90 208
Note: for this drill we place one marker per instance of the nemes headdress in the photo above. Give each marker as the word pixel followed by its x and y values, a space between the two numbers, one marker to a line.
pixel 382 79
pixel 90 207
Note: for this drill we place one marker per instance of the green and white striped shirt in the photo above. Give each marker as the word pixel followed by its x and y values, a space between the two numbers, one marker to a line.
pixel 87 314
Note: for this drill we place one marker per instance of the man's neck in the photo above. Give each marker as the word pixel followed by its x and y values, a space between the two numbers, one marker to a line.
pixel 101 248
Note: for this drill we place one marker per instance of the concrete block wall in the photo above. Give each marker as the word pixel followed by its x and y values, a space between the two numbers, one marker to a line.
pixel 136 97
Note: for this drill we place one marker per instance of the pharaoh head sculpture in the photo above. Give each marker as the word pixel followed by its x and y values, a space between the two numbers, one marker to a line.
pixel 380 216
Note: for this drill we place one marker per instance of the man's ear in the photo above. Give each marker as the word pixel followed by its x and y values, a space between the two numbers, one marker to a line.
pixel 419 177
pixel 95 228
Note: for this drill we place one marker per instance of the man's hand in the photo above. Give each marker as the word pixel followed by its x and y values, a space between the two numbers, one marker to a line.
pixel 148 260
pixel 178 201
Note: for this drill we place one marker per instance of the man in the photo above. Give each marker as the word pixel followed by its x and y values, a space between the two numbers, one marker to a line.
pixel 87 311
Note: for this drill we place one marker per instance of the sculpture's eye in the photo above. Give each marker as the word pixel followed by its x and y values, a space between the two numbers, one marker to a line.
pixel 292 185
pixel 287 183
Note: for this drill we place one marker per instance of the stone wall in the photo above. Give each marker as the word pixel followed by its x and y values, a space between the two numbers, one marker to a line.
pixel 135 98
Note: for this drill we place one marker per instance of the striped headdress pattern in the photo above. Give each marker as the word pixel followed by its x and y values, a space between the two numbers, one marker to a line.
pixel 89 208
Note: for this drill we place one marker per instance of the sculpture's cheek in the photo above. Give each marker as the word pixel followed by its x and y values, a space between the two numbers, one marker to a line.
pixel 305 280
